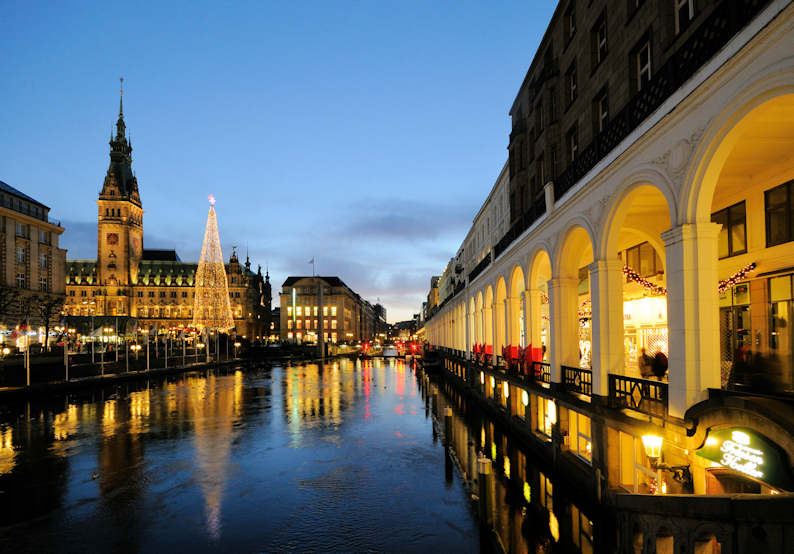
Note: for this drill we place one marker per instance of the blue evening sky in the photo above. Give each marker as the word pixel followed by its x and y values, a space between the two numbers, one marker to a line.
pixel 363 134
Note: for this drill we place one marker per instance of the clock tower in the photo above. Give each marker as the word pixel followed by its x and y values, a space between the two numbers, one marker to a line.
pixel 120 223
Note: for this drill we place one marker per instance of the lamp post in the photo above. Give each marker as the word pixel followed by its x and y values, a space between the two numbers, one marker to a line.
pixel 236 346
pixel 653 449
pixel 90 306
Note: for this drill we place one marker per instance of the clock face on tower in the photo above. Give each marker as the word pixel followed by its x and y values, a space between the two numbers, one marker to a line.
pixel 112 239
pixel 136 247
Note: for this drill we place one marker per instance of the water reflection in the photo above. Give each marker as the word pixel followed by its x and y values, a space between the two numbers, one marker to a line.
pixel 302 457
pixel 515 490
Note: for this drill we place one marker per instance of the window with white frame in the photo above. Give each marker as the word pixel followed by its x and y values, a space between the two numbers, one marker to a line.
pixel 684 14
pixel 579 435
pixel 643 61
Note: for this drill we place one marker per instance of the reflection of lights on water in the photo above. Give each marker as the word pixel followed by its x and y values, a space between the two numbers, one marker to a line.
pixel 554 526
pixel 493 450
pixel 7 454
pixel 507 467
pixel 527 492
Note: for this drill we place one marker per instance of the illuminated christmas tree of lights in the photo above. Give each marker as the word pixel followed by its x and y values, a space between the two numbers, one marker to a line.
pixel 211 307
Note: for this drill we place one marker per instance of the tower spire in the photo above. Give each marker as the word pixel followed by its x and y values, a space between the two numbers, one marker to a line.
pixel 121 98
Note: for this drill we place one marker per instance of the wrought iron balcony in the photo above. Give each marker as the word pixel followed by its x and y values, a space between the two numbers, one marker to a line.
pixel 577 380
pixel 641 395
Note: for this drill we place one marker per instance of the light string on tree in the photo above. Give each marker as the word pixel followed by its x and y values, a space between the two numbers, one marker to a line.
pixel 734 279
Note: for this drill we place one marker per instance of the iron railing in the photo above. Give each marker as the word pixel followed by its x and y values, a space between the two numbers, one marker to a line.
pixel 480 267
pixel 576 379
pixel 541 372
pixel 641 395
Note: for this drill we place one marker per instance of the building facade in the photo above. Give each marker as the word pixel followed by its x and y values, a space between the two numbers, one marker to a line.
pixel 153 286
pixel 31 263
pixel 342 314
pixel 647 267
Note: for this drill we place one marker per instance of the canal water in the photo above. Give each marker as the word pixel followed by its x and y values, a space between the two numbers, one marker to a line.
pixel 340 457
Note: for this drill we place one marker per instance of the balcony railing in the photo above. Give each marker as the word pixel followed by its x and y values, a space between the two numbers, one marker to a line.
pixel 577 380
pixel 541 372
pixel 523 223
pixel 480 267
pixel 641 395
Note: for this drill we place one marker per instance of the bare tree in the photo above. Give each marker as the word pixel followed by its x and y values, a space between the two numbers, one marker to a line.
pixel 48 308
pixel 8 301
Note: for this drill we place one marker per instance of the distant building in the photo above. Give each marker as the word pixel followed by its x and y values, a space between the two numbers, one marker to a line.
pixel 432 303
pixel 31 263
pixel 275 325
pixel 154 286
pixel 342 313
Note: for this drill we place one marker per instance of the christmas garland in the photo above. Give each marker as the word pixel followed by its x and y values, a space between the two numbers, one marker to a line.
pixel 632 275
pixel 725 284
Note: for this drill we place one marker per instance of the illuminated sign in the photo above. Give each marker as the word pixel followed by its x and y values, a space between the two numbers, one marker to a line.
pixel 749 453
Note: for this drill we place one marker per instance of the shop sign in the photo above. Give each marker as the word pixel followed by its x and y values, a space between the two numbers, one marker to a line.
pixel 748 453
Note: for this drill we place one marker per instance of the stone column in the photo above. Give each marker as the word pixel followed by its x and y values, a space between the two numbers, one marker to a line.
pixel 606 296
pixel 564 328
pixel 488 330
pixel 469 332
pixel 508 328
pixel 515 310
pixel 533 316
pixel 692 313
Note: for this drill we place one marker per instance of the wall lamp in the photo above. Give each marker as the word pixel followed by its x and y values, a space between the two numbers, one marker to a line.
pixel 653 449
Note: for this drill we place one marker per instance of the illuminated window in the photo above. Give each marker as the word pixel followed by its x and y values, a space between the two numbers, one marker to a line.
pixel 333 337
pixel 333 324
pixel 333 310
pixel 289 310
pixel 733 236
pixel 635 471
pixel 289 324
pixel 316 326
pixel 315 310
pixel 289 335
pixel 547 415
pixel 299 310
pixel 325 310
pixel 546 492
pixel 579 435
pixel 325 324
pixel 300 323
pixel 581 531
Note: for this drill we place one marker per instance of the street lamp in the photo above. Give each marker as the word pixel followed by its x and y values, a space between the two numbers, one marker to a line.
pixel 653 449
pixel 90 307
pixel 236 346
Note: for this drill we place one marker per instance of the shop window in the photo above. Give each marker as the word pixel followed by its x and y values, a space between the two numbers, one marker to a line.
pixel 780 325
pixel 579 434
pixel 779 220
pixel 547 415
pixel 733 235
pixel 581 531
pixel 635 472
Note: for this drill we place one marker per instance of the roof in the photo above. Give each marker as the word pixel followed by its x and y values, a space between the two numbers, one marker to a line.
pixel 333 281
pixel 11 190
pixel 160 255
